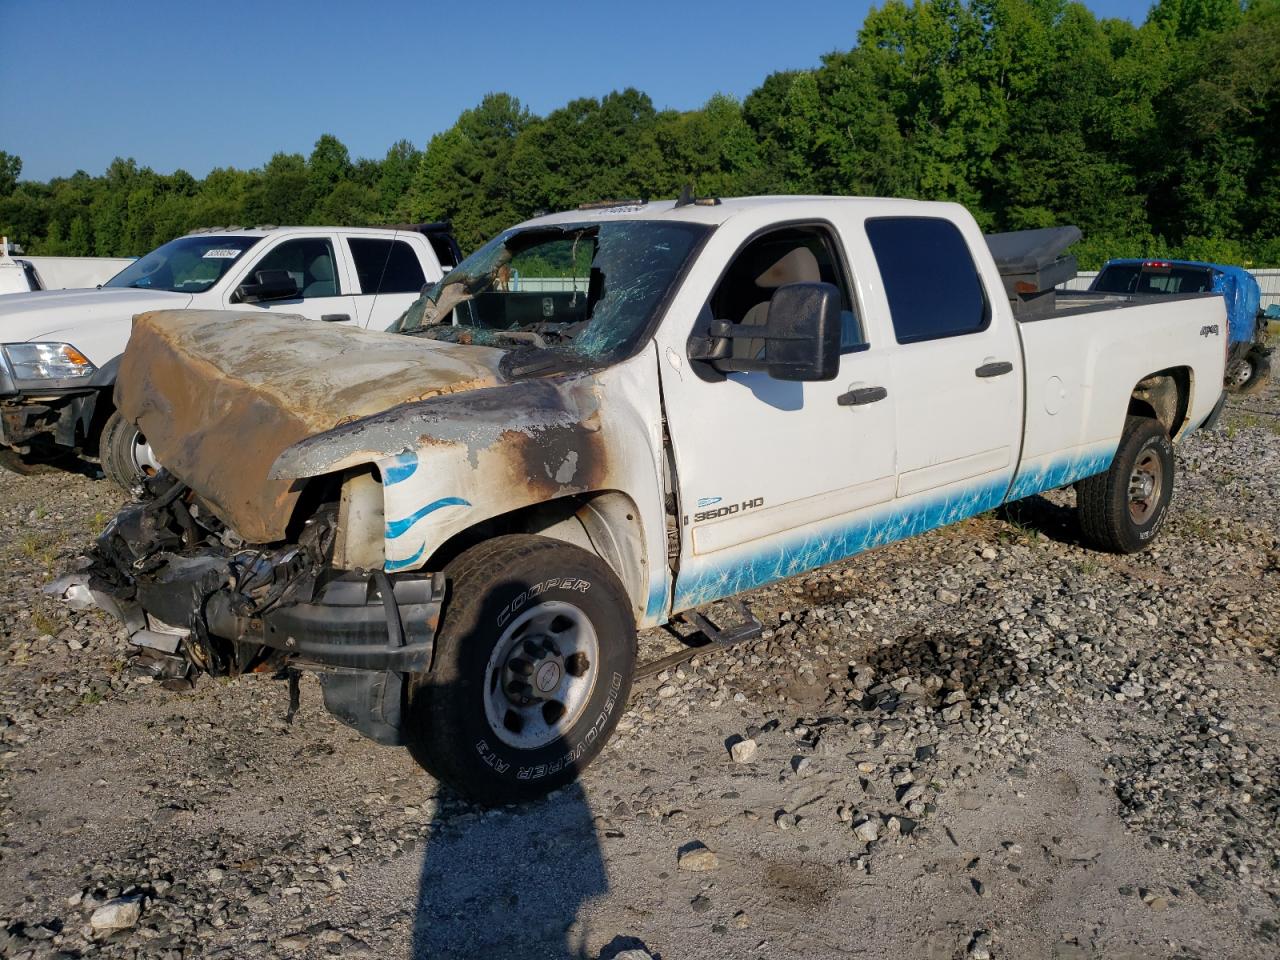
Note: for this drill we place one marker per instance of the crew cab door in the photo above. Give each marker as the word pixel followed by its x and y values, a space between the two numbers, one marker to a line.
pixel 773 477
pixel 957 365
pixel 317 266
pixel 389 276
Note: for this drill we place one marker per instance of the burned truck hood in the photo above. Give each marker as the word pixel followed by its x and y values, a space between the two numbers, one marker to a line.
pixel 219 395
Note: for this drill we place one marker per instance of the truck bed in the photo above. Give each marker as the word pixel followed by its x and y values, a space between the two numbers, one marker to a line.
pixel 1065 303
pixel 1081 372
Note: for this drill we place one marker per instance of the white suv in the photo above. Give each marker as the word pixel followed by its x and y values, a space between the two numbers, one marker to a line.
pixel 59 351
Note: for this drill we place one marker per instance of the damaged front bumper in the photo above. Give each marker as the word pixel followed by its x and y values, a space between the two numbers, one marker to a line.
pixel 232 609
pixel 31 425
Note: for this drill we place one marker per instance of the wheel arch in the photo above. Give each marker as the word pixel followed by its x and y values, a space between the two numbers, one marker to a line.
pixel 603 522
pixel 1164 396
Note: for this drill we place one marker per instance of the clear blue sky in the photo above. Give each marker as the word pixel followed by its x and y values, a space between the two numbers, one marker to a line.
pixel 229 82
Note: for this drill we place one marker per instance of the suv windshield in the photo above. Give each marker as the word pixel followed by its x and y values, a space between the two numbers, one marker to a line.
pixel 185 265
pixel 583 291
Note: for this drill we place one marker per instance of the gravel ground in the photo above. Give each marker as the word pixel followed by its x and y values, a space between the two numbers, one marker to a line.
pixel 985 742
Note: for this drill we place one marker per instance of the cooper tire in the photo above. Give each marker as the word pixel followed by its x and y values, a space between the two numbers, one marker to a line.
pixel 1123 509
pixel 531 670
pixel 126 458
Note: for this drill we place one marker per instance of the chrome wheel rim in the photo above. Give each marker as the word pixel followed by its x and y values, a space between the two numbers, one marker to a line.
pixel 144 461
pixel 1146 483
pixel 1243 373
pixel 541 674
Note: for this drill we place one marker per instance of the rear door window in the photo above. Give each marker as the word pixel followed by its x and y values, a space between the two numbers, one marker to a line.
pixel 929 277
pixel 386 266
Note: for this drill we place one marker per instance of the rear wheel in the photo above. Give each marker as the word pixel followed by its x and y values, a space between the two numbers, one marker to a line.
pixel 1122 510
pixel 1251 374
pixel 531 669
pixel 126 455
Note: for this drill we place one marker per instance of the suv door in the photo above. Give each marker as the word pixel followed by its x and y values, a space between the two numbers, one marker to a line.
pixel 776 477
pixel 389 277
pixel 314 265
pixel 958 366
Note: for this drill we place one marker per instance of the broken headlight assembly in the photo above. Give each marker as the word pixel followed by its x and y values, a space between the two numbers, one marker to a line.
pixel 47 361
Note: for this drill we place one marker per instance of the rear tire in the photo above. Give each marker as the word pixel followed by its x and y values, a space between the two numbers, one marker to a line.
pixel 1122 510
pixel 126 457
pixel 531 670
pixel 1259 374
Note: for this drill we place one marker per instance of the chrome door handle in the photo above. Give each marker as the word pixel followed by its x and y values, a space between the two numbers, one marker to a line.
pixel 997 369
pixel 861 395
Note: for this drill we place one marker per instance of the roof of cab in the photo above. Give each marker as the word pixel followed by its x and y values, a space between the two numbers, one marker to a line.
pixel 1138 261
pixel 271 231
pixel 708 213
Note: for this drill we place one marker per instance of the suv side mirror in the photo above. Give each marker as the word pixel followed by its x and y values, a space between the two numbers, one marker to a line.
pixel 268 285
pixel 802 337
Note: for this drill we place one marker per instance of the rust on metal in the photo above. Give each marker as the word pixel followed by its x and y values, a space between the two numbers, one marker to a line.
pixel 220 395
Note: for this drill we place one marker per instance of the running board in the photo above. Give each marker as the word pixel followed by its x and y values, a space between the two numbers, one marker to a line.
pixel 748 628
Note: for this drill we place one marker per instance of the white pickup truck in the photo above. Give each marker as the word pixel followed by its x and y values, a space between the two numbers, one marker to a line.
pixel 604 419
pixel 24 274
pixel 59 351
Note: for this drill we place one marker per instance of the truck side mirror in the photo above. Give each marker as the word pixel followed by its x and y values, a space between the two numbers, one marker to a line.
pixel 802 335
pixel 268 285
pixel 799 339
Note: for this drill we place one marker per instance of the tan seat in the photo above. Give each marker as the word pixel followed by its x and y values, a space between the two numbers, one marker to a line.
pixel 797 265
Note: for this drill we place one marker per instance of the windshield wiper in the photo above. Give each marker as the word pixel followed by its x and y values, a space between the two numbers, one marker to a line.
pixel 528 361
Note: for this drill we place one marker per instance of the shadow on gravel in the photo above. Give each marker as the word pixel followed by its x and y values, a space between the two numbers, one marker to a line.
pixel 1056 522
pixel 510 882
pixel 941 670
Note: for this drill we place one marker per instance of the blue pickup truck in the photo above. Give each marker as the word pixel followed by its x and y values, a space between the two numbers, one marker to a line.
pixel 1248 357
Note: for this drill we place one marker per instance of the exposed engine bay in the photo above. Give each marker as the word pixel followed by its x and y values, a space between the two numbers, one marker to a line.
pixel 196 598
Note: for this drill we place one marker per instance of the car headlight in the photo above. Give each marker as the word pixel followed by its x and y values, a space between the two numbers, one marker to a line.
pixel 47 361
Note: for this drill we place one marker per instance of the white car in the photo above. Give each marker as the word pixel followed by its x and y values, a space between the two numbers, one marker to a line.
pixel 610 417
pixel 59 351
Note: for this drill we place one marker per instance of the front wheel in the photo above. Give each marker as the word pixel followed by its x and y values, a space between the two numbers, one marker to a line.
pixel 126 455
pixel 1122 510
pixel 531 669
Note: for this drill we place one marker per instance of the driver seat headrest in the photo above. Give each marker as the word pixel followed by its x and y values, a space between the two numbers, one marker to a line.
pixel 321 268
pixel 797 265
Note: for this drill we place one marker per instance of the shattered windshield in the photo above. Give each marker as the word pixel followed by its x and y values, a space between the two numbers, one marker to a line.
pixel 186 265
pixel 581 292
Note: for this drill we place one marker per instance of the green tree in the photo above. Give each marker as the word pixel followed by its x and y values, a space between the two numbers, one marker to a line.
pixel 395 181
pixel 1219 173
pixel 465 174
pixel 1156 138
pixel 587 151
pixel 79 242
pixel 328 166
pixel 281 194
pixel 1185 19
pixel 10 170
pixel 712 149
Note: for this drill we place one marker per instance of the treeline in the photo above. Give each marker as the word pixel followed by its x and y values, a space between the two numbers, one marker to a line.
pixel 1155 139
